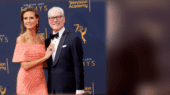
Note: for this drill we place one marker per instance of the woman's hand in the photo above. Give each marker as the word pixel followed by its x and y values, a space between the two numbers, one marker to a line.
pixel 49 52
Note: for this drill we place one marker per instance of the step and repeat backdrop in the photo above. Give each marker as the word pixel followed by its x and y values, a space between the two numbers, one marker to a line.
pixel 84 18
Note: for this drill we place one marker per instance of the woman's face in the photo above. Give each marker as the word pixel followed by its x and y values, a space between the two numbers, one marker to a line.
pixel 30 20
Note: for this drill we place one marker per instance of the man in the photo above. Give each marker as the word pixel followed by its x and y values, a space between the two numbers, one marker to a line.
pixel 65 66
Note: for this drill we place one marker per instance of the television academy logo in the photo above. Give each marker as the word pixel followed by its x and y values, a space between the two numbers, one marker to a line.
pixel 80 4
pixel 4 66
pixel 89 90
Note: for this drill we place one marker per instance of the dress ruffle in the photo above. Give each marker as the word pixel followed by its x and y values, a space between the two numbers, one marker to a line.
pixel 25 52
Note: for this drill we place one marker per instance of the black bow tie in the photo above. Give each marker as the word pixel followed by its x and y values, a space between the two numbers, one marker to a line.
pixel 52 36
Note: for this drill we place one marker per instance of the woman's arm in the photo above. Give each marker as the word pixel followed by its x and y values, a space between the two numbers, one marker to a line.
pixel 27 65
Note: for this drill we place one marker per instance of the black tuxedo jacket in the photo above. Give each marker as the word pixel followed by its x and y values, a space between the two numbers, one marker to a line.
pixel 66 73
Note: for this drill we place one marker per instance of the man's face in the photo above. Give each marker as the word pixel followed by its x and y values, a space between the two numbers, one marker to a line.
pixel 56 20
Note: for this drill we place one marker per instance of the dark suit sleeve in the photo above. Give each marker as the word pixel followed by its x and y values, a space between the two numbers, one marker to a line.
pixel 77 53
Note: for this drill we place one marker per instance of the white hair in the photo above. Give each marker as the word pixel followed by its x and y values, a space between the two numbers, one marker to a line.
pixel 61 10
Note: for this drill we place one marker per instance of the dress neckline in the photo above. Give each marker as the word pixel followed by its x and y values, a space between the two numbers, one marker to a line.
pixel 31 43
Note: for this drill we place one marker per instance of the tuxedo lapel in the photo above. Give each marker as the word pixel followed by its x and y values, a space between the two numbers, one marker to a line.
pixel 60 47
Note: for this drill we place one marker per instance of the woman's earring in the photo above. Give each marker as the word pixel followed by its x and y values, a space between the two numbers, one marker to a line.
pixel 37 25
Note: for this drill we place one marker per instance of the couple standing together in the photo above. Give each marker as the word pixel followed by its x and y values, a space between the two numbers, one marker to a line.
pixel 61 54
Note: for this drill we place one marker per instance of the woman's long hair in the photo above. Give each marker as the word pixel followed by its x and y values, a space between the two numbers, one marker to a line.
pixel 32 9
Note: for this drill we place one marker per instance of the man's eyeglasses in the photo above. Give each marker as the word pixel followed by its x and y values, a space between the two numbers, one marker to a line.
pixel 57 17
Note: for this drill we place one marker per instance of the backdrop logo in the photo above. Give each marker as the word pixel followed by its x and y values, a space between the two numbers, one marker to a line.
pixel 80 4
pixel 82 31
pixel 39 6
pixel 3 38
pixel 2 90
pixel 89 62
pixel 89 90
pixel 4 66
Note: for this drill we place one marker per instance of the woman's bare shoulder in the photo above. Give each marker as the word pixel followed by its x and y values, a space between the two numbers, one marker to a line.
pixel 20 39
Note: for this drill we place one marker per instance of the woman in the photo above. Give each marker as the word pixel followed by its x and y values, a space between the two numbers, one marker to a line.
pixel 30 52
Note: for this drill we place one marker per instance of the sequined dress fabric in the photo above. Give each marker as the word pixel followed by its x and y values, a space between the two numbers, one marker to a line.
pixel 31 81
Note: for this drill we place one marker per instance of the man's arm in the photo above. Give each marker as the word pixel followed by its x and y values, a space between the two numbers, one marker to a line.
pixel 77 53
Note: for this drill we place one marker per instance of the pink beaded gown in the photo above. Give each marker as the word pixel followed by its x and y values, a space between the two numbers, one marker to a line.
pixel 31 81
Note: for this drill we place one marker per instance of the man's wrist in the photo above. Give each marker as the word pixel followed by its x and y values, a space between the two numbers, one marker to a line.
pixel 79 91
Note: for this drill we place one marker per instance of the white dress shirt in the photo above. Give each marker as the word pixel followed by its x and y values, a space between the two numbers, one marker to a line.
pixel 56 42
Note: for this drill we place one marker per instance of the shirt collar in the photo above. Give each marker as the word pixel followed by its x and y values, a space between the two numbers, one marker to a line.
pixel 60 32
